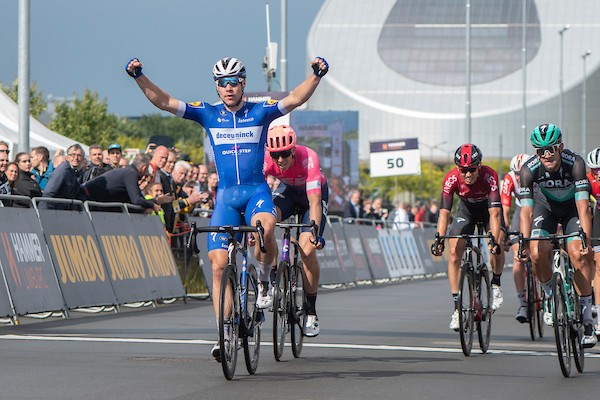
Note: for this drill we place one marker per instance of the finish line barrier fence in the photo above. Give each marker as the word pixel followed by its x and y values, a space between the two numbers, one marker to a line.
pixel 110 254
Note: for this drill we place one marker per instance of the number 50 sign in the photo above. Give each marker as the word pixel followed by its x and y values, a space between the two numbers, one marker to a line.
pixel 398 157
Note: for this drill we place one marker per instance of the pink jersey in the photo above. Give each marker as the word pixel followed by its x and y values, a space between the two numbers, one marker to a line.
pixel 509 187
pixel 304 176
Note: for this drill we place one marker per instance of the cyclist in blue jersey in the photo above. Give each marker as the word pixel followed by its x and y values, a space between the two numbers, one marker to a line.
pixel 237 131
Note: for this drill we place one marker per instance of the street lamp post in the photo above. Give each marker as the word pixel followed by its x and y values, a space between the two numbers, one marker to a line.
pixel 560 79
pixel 584 106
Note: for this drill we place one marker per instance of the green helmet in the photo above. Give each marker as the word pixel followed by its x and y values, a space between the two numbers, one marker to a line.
pixel 546 135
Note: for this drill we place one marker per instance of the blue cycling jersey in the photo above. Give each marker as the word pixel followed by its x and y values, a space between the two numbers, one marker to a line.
pixel 238 139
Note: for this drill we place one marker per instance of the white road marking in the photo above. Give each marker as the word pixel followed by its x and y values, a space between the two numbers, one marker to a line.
pixel 314 345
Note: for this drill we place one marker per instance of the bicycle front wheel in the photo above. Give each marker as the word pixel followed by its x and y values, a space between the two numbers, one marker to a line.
pixel 297 315
pixel 253 318
pixel 561 324
pixel 484 310
pixel 466 300
pixel 229 319
pixel 576 332
pixel 281 309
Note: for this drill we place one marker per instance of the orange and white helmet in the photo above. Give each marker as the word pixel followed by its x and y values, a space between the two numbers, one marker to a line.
pixel 281 138
pixel 517 161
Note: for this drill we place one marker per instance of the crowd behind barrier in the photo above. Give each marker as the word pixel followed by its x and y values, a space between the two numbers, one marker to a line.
pixel 61 260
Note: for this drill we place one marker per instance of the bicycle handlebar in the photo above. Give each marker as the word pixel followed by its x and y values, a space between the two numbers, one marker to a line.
pixel 439 240
pixel 554 239
pixel 230 229
pixel 313 227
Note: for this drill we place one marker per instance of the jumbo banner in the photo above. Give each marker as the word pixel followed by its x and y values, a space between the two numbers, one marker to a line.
pixel 359 258
pixel 5 302
pixel 328 261
pixel 373 252
pixel 77 258
pixel 122 256
pixel 162 276
pixel 348 271
pixel 26 263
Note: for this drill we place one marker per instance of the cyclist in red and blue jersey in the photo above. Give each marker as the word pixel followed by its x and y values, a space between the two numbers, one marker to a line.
pixel 562 197
pixel 477 187
pixel 237 131
pixel 593 161
pixel 510 188
pixel 303 188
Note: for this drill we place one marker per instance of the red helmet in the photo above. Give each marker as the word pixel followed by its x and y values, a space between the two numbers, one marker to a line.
pixel 281 138
pixel 467 155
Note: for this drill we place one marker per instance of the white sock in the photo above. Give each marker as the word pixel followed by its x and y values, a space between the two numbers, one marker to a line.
pixel 263 270
pixel 586 302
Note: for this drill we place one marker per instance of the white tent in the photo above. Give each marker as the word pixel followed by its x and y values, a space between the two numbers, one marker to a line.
pixel 39 135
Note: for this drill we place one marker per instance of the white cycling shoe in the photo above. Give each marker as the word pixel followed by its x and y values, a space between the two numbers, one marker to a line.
pixel 311 327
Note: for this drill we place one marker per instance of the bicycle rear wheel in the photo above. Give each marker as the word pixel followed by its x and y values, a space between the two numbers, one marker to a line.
pixel 576 333
pixel 253 318
pixel 484 311
pixel 530 294
pixel 466 299
pixel 561 325
pixel 229 319
pixel 281 309
pixel 297 315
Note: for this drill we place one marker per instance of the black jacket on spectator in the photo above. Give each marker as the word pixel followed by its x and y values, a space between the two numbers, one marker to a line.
pixel 117 185
pixel 25 185
pixel 62 184
pixel 350 211
pixel 168 188
pixel 93 171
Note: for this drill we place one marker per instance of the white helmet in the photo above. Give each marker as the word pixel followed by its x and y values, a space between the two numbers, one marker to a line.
pixel 229 66
pixel 593 158
pixel 517 162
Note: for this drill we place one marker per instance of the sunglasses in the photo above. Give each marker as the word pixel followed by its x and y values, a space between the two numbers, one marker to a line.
pixel 7 151
pixel 233 81
pixel 283 154
pixel 541 151
pixel 465 170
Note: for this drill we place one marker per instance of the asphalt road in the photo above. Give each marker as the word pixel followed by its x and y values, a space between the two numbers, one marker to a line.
pixel 385 341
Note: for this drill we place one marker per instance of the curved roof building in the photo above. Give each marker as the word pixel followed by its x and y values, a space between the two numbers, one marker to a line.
pixel 402 65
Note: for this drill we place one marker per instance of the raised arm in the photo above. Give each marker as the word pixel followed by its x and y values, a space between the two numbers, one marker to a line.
pixel 156 95
pixel 303 91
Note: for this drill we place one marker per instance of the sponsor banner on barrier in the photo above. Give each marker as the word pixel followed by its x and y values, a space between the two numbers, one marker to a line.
pixel 123 256
pixel 411 251
pixel 373 252
pixel 77 259
pixel 26 263
pixel 391 258
pixel 347 271
pixel 359 258
pixel 328 261
pixel 424 239
pixel 163 275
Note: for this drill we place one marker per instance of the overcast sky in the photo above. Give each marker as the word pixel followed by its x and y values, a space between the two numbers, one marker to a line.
pixel 84 44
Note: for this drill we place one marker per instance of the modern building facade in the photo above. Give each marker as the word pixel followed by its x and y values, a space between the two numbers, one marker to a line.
pixel 403 65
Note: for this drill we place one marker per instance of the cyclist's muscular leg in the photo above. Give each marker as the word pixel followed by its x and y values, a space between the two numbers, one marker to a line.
pixel 218 260
pixel 312 269
pixel 583 267
pixel 541 259
pixel 268 222
pixel 457 248
pixel 518 271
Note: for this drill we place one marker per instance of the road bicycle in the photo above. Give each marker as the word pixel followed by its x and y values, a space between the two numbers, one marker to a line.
pixel 564 302
pixel 239 318
pixel 535 298
pixel 289 298
pixel 475 294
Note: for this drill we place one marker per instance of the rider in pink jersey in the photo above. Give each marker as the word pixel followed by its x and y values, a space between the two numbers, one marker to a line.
pixel 303 190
